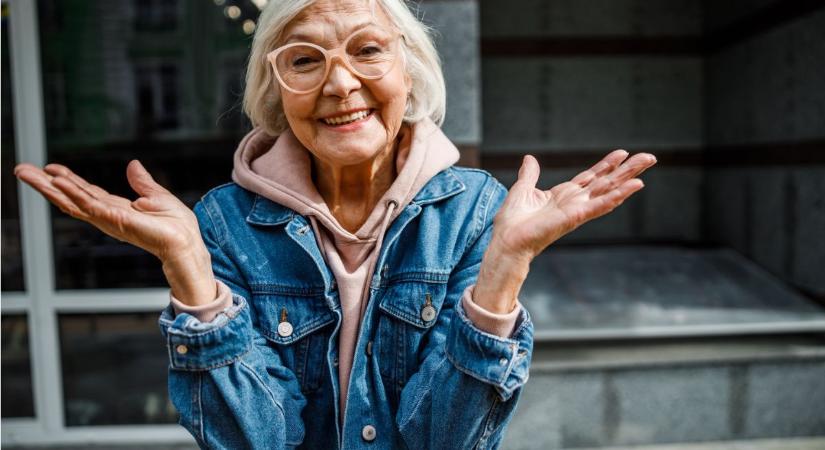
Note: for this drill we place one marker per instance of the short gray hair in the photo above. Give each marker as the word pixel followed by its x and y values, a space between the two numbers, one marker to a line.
pixel 262 100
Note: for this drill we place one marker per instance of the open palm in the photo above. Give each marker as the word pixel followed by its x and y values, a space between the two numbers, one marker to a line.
pixel 531 219
pixel 157 221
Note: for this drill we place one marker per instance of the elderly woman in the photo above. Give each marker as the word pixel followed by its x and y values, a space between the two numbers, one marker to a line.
pixel 351 287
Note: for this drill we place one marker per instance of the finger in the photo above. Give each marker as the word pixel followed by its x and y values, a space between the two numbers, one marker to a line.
pixel 631 168
pixel 88 204
pixel 148 204
pixel 42 183
pixel 528 174
pixel 607 164
pixel 91 189
pixel 608 202
pixel 141 180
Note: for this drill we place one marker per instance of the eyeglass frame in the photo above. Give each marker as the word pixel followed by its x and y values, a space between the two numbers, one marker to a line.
pixel 329 55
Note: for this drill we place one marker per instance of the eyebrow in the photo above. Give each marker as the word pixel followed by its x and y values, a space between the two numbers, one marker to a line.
pixel 304 37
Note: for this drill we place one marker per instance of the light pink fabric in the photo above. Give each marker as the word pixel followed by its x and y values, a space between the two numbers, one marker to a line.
pixel 282 172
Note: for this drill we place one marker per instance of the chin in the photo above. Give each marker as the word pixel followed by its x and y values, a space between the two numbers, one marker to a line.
pixel 350 153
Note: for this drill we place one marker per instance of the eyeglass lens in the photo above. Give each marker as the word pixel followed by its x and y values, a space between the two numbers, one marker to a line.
pixel 369 52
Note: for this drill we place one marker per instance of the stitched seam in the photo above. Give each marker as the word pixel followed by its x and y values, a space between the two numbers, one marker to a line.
pixel 269 393
pixel 482 216
pixel 490 416
pixel 280 289
pixel 220 237
pixel 200 406
pixel 170 330
pixel 432 276
pixel 298 333
pixel 497 383
pixel 417 404
pixel 188 367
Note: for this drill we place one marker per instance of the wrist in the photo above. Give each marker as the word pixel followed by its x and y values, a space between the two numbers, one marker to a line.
pixel 500 279
pixel 190 277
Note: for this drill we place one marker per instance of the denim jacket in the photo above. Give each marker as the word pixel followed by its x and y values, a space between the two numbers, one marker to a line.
pixel 418 380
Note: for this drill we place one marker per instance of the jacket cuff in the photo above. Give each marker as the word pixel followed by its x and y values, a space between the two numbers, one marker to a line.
pixel 207 312
pixel 501 362
pixel 195 345
pixel 490 322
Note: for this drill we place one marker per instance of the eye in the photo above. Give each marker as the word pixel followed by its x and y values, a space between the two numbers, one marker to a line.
pixel 303 61
pixel 369 50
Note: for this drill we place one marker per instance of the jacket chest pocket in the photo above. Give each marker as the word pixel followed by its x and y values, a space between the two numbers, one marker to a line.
pixel 298 329
pixel 409 310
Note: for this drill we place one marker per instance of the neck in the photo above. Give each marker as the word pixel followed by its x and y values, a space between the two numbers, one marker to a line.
pixel 351 192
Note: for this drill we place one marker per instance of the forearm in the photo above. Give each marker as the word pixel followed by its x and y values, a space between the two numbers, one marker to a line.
pixel 499 280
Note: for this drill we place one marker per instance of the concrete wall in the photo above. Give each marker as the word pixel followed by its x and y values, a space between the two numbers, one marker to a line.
pixel 765 89
pixel 457 35
pixel 591 104
pixel 770 90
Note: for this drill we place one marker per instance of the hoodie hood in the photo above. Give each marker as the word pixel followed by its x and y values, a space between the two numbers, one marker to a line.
pixel 280 169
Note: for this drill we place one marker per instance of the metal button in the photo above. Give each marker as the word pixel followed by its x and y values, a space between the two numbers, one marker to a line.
pixel 369 348
pixel 368 433
pixel 303 230
pixel 335 361
pixel 427 313
pixel 285 329
pixel 503 361
pixel 181 349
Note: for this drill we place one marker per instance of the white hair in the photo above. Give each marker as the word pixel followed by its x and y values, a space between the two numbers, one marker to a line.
pixel 262 100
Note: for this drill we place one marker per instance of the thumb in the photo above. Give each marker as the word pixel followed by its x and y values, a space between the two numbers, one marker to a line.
pixel 528 174
pixel 141 181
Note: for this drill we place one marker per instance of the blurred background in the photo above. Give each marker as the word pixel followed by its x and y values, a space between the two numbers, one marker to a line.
pixel 691 317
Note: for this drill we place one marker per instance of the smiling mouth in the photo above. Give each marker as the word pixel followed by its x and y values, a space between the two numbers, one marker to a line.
pixel 348 118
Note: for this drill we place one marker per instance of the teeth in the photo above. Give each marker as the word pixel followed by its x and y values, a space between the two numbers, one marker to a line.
pixel 340 120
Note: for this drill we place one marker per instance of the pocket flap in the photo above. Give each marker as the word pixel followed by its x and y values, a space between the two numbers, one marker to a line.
pixel 304 314
pixel 407 300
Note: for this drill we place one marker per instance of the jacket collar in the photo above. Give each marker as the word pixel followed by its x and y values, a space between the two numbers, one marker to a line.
pixel 443 185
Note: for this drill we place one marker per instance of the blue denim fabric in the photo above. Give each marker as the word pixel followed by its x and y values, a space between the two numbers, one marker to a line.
pixel 443 383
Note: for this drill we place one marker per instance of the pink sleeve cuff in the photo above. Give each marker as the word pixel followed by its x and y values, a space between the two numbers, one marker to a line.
pixel 207 312
pixel 490 322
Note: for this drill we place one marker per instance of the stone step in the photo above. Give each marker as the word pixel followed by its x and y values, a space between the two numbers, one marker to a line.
pixel 668 391
pixel 754 444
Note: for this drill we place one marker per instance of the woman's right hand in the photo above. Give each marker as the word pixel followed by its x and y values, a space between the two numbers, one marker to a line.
pixel 157 222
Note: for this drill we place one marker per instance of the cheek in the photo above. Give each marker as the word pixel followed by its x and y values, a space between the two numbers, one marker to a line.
pixel 298 107
pixel 392 94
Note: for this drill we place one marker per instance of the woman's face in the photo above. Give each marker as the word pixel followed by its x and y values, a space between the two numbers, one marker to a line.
pixel 328 23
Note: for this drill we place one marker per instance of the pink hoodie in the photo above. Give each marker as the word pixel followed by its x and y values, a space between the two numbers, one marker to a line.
pixel 280 169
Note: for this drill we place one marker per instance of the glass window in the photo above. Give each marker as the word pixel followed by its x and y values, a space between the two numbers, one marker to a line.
pixel 153 80
pixel 18 400
pixel 114 370
pixel 12 255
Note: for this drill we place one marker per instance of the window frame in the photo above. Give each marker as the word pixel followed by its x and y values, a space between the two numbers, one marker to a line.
pixel 41 302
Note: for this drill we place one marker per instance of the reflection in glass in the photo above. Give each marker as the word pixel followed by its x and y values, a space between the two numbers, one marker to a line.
pixel 18 400
pixel 154 80
pixel 114 370
pixel 12 256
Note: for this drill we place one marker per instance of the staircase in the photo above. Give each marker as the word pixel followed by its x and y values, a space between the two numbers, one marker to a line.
pixel 669 348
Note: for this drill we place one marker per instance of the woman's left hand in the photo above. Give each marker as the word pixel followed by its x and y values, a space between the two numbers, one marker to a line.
pixel 530 219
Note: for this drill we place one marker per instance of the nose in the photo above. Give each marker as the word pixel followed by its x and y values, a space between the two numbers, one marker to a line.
pixel 340 82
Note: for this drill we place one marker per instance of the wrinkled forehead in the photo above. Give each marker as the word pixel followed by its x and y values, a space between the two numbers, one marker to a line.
pixel 329 21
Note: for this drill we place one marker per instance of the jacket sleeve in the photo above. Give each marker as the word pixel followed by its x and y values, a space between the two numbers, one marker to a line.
pixel 466 389
pixel 230 388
